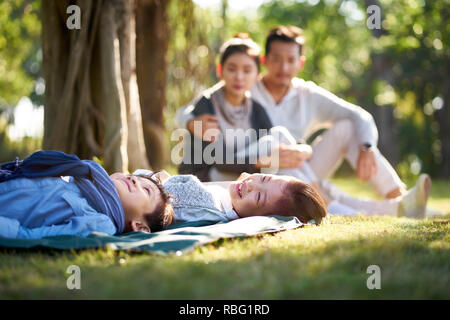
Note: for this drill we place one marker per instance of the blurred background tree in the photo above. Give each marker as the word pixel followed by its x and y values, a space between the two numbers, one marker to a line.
pixel 20 70
pixel 400 73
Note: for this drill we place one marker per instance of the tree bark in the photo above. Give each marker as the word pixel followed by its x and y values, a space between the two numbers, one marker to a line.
pixel 89 80
pixel 151 66
pixel 137 155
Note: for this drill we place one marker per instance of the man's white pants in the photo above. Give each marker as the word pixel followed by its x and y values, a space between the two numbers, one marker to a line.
pixel 339 142
pixel 326 163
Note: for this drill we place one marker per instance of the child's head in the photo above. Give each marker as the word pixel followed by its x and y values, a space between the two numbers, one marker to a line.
pixel 239 64
pixel 144 202
pixel 263 194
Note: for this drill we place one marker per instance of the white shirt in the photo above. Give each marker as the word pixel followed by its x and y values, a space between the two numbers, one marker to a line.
pixel 307 108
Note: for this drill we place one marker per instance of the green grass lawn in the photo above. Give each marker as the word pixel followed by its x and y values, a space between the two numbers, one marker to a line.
pixel 325 262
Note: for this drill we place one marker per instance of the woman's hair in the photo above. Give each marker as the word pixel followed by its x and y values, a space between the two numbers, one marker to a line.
pixel 163 214
pixel 240 43
pixel 303 202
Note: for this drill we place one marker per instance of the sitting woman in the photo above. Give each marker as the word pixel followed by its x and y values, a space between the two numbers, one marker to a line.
pixel 51 193
pixel 236 113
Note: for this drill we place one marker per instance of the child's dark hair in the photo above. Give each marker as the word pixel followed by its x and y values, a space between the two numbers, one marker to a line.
pixel 163 214
pixel 291 34
pixel 303 202
pixel 240 43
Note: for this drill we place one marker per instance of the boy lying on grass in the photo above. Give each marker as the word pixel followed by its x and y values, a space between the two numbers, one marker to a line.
pixel 51 193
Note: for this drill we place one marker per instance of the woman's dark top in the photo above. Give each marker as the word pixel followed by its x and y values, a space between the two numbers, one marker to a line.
pixel 258 120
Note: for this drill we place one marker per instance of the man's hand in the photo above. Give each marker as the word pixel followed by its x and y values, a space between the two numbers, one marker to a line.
pixel 289 157
pixel 366 167
pixel 207 121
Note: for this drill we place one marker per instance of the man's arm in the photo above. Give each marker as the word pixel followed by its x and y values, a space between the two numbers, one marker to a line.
pixel 328 108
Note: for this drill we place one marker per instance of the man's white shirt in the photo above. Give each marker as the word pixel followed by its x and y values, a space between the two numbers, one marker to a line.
pixel 307 108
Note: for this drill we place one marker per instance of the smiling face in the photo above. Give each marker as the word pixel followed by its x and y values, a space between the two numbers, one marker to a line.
pixel 283 62
pixel 139 197
pixel 240 73
pixel 257 194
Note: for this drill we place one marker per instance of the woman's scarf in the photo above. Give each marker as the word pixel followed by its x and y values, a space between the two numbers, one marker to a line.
pixel 89 176
pixel 231 117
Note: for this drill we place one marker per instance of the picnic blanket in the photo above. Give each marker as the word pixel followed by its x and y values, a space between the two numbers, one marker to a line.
pixel 176 240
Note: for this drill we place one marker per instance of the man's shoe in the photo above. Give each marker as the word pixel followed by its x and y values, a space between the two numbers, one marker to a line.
pixel 413 204
pixel 433 213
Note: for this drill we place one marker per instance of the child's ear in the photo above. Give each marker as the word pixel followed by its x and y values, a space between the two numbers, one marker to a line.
pixel 139 226
pixel 262 60
pixel 302 62
pixel 219 70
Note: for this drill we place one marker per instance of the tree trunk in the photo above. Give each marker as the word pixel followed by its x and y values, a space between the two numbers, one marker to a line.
pixel 137 155
pixel 151 66
pixel 88 80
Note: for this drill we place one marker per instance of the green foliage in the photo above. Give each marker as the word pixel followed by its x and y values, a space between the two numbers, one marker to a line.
pixel 20 52
pixel 12 149
pixel 20 69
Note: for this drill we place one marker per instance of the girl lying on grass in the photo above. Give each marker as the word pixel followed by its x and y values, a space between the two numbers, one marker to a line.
pixel 265 194
pixel 250 195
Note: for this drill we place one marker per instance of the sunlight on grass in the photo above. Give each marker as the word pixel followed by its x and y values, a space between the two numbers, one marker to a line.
pixel 439 198
pixel 328 261
pixel 311 262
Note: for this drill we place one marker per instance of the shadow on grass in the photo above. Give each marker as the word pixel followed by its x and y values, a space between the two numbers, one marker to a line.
pixel 414 264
